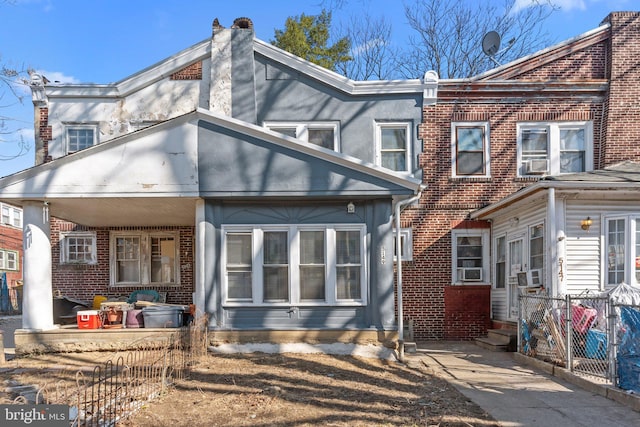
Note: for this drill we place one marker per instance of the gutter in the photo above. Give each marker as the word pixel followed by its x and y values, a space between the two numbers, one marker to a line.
pixel 399 207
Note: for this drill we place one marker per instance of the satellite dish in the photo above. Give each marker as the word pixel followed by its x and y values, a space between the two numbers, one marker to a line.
pixel 491 43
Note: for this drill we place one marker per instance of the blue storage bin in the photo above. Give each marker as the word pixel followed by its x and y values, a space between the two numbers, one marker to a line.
pixel 596 347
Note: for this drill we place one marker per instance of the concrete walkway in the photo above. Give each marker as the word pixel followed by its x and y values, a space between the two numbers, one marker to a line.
pixel 520 391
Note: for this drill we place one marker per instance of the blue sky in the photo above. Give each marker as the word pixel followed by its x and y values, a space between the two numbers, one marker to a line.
pixel 104 41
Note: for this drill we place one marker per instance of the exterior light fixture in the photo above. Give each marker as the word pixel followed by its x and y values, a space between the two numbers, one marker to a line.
pixel 585 224
pixel 351 208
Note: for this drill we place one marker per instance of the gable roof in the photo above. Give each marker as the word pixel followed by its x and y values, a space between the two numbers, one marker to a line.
pixel 202 51
pixel 166 172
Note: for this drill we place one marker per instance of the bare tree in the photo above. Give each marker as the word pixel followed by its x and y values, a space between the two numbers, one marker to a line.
pixel 10 80
pixel 449 35
pixel 11 93
pixel 371 55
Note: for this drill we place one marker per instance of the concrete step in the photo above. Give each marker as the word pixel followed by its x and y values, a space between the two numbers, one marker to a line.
pixel 499 340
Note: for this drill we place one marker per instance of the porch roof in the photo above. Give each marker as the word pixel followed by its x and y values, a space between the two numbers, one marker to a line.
pixel 613 181
pixel 155 176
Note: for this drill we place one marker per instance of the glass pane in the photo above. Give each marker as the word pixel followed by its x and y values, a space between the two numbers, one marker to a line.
pixel 393 138
pixel 276 247
pixel 534 140
pixel 348 282
pixel 616 251
pixel 572 139
pixel 275 283
pixel 163 250
pixel 239 249
pixel 128 259
pixel 470 139
pixel 501 278
pixel 348 247
pixel 287 131
pixel 80 139
pixel 239 283
pixel 322 137
pixel 128 271
pixel 470 163
pixel 312 247
pixel 394 160
pixel 312 283
pixel 572 162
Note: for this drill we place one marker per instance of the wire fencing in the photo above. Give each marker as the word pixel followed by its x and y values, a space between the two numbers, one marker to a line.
pixel 582 333
pixel 105 395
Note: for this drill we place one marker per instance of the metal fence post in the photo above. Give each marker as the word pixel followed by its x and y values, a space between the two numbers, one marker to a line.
pixel 568 327
pixel 612 339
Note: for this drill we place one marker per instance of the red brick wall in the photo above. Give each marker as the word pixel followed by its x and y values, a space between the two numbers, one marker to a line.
pixel 467 311
pixel 448 201
pixel 83 282
pixel 623 113
pixel 191 72
pixel 11 239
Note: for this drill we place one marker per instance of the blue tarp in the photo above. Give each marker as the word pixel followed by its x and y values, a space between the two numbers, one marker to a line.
pixel 5 304
pixel 629 350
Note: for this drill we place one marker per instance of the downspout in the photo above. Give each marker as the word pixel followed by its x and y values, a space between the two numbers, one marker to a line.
pixel 399 207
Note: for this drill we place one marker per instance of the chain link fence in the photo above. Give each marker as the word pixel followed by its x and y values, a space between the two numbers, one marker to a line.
pixel 585 334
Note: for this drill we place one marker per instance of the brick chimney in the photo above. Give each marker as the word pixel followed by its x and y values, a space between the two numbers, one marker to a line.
pixel 622 115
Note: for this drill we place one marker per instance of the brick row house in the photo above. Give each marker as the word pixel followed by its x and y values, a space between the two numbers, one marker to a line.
pixel 529 169
pixel 273 194
pixel 10 256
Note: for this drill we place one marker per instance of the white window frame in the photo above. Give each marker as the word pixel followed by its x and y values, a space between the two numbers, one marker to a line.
pixel 9 264
pixel 64 247
pixel 486 266
pixel 406 244
pixel 10 215
pixel 302 130
pixel 379 126
pixel 145 257
pixel 553 144
pixel 293 230
pixel 70 127
pixel 631 223
pixel 505 261
pixel 485 149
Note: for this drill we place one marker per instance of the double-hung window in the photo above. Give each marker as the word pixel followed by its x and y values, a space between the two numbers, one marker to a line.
pixel 393 145
pixel 11 215
pixel 323 134
pixel 79 137
pixel 78 248
pixel 144 258
pixel 8 260
pixel 554 148
pixel 294 264
pixel 470 149
pixel 470 255
pixel 622 254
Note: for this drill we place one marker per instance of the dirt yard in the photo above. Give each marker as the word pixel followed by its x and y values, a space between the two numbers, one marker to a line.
pixel 283 390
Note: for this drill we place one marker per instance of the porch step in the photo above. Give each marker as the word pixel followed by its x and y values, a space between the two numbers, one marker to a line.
pixel 499 340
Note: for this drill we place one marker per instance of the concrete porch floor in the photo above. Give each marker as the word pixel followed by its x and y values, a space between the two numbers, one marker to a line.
pixel 69 338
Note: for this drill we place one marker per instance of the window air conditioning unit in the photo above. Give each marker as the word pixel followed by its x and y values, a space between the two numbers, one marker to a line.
pixel 537 166
pixel 470 274
pixel 535 278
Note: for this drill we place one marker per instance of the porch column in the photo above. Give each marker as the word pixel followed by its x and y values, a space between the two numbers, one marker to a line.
pixel 199 293
pixel 37 296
